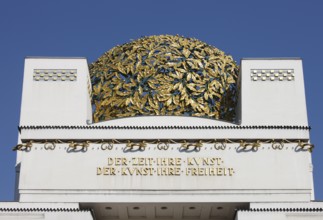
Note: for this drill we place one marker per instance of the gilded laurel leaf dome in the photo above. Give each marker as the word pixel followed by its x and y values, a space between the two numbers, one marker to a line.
pixel 164 75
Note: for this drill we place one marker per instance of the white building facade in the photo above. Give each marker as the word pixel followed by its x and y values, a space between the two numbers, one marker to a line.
pixel 163 166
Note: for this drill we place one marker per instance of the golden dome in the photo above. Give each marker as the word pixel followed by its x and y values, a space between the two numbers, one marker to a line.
pixel 164 75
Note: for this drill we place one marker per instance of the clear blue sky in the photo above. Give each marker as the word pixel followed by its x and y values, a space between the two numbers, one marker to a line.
pixel 275 28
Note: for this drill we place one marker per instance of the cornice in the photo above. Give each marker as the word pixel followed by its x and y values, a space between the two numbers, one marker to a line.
pixel 282 210
pixel 175 127
pixel 44 210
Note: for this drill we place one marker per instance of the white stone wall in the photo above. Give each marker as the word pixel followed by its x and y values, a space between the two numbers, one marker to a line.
pixel 272 95
pixel 276 100
pixel 260 175
pixel 49 102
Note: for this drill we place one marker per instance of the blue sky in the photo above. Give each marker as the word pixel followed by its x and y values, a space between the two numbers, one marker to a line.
pixel 274 28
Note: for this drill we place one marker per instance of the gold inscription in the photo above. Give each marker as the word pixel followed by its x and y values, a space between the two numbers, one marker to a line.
pixel 106 171
pixel 165 166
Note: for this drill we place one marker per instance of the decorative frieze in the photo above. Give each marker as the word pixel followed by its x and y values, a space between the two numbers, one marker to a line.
pixel 181 145
pixel 62 75
pixel 272 75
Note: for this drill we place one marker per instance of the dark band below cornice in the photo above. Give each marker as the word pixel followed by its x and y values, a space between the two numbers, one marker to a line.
pixel 176 127
pixel 282 210
pixel 43 210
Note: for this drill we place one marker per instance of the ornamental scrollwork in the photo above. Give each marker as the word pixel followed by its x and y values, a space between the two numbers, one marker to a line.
pixel 220 145
pixel 189 147
pixel 135 146
pixel 162 145
pixel 277 145
pixel 78 146
pixel 23 146
pixel 249 146
pixel 107 146
pixel 49 146
pixel 185 145
pixel 304 146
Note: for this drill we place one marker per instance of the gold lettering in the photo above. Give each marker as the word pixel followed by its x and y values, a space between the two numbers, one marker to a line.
pixel 206 161
pixel 168 171
pixel 123 171
pixel 161 162
pixel 190 161
pixel 231 171
pixel 106 171
pixel 212 172
pixel 194 171
pixel 117 161
pixel 131 171
pixel 142 161
pixel 219 171
pixel 149 171
pixel 162 171
pixel 98 171
pixel 171 171
pixel 177 171
pixel 110 161
pixel 164 166
pixel 134 161
pixel 138 171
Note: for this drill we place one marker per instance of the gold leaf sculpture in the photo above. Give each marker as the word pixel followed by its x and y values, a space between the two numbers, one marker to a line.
pixel 164 75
